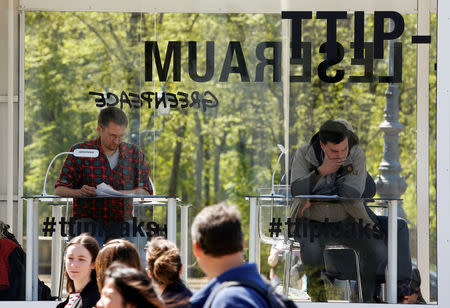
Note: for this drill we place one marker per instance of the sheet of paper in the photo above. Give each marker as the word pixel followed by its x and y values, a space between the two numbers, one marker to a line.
pixel 104 189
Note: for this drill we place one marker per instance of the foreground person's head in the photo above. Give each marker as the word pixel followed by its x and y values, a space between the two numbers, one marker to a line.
pixel 80 255
pixel 218 239
pixel 116 250
pixel 163 261
pixel 127 287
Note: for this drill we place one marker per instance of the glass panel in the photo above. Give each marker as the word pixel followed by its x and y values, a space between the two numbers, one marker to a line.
pixel 382 114
pixel 202 93
pixel 432 162
pixel 204 99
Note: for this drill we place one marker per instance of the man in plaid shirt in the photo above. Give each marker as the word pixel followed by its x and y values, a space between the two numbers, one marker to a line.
pixel 120 165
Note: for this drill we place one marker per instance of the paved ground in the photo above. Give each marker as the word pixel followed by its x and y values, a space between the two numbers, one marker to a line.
pixel 193 283
pixel 197 283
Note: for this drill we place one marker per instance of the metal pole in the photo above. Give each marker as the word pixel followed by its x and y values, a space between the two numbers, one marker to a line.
pixel 20 220
pixel 184 240
pixel 32 260
pixel 56 253
pixel 21 108
pixel 10 118
pixel 252 236
pixel 35 240
pixel 286 51
pixel 172 220
pixel 258 247
pixel 422 114
pixel 287 270
pixel 443 150
pixel 392 252
pixel 29 259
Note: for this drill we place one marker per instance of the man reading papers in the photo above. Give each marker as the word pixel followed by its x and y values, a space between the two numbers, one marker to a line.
pixel 120 165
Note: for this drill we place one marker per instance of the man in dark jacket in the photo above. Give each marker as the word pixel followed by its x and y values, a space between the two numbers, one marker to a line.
pixel 218 244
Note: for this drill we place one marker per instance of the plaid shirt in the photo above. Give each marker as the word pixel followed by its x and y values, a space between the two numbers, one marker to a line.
pixel 131 172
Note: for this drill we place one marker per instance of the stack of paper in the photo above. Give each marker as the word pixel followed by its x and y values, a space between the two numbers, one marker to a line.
pixel 104 189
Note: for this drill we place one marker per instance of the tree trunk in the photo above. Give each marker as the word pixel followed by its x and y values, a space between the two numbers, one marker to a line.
pixel 219 150
pixel 132 81
pixel 176 159
pixel 206 180
pixel 199 162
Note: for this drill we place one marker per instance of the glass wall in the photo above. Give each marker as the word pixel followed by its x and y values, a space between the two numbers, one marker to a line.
pixel 204 98
pixel 377 95
pixel 202 93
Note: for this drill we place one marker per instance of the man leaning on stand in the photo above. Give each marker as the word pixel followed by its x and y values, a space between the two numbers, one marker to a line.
pixel 120 165
pixel 333 163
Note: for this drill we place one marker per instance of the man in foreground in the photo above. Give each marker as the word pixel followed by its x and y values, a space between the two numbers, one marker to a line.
pixel 218 244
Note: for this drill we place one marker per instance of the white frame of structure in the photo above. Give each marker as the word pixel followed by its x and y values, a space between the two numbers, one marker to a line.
pixel 420 7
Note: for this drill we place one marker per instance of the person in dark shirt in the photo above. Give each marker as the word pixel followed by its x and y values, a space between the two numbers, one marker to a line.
pixel 164 268
pixel 79 259
pixel 218 245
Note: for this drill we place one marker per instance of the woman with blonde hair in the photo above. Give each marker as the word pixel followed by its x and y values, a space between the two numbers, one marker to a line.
pixel 79 259
pixel 164 268
pixel 119 250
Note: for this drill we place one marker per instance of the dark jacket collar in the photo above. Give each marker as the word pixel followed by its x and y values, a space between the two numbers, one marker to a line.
pixel 90 287
pixel 88 297
pixel 247 270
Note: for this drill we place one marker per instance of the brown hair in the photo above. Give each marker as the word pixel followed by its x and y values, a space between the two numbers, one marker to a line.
pixel 335 131
pixel 116 250
pixel 112 114
pixel 217 230
pixel 91 245
pixel 163 261
pixel 133 285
